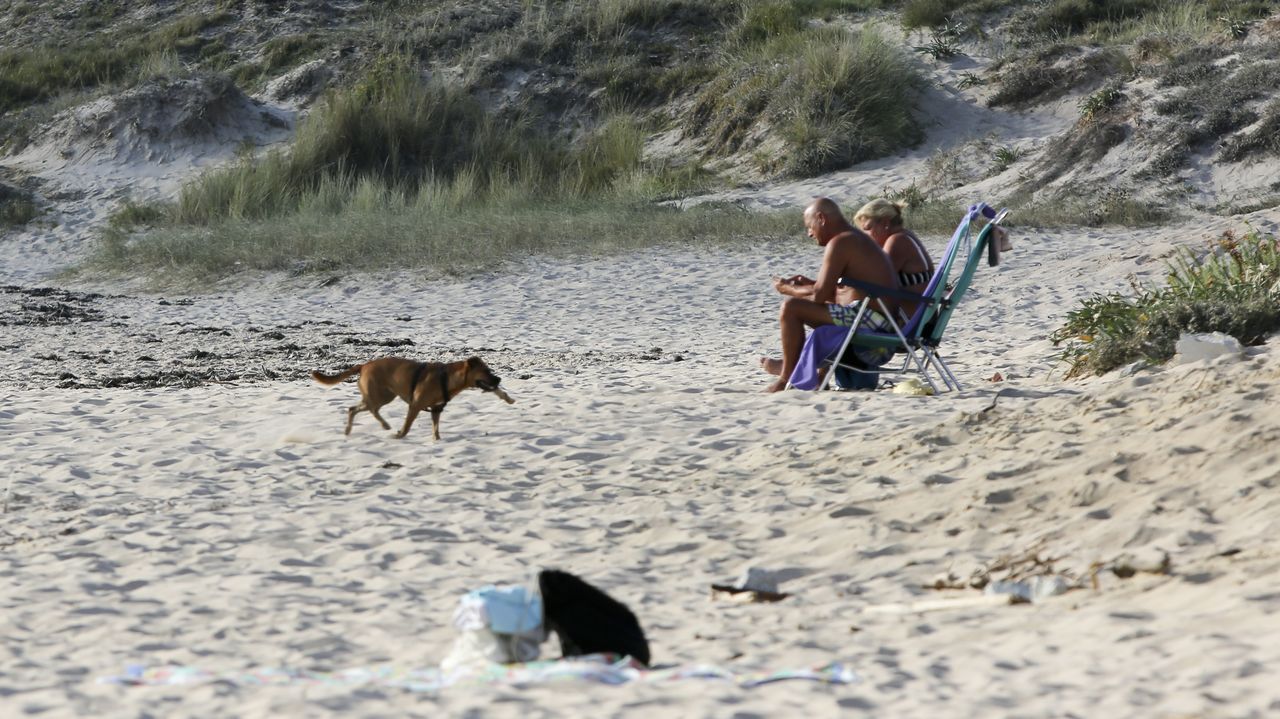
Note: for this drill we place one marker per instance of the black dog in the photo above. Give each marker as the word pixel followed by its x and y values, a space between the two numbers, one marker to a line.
pixel 587 620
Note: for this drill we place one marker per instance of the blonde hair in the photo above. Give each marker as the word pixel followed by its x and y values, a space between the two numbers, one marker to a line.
pixel 880 209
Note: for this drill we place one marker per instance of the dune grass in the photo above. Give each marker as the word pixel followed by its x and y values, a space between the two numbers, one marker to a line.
pixel 395 172
pixel 17 207
pixel 441 229
pixel 832 97
pixel 36 74
pixel 1233 287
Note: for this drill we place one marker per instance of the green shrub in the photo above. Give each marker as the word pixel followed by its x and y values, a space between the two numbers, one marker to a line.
pixel 392 126
pixel 1234 288
pixel 1263 139
pixel 927 13
pixel 764 20
pixel 37 74
pixel 1004 157
pixel 1071 17
pixel 16 207
pixel 1027 83
pixel 832 97
pixel 1075 207
pixel 944 42
pixel 1100 101
pixel 132 214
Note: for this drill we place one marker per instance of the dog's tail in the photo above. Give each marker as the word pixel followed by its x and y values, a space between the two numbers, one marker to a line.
pixel 323 378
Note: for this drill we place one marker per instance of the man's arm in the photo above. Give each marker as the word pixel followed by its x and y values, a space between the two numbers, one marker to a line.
pixel 797 286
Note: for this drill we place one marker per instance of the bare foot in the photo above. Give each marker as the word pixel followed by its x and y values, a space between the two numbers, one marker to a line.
pixel 771 365
pixel 778 386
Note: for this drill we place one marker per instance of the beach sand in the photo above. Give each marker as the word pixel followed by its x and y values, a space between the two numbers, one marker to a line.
pixel 232 526
pixel 177 491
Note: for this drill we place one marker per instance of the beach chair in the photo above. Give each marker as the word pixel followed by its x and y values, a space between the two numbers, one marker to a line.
pixel 919 336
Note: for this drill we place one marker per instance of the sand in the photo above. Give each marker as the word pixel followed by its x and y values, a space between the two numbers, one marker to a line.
pixel 231 525
pixel 176 491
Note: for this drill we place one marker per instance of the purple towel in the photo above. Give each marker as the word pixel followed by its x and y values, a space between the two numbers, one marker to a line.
pixel 823 342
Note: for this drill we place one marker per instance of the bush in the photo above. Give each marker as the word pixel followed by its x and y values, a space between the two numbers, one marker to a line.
pixel 1030 82
pixel 29 76
pixel 1004 157
pixel 16 207
pixel 927 13
pixel 1100 102
pixel 1263 139
pixel 833 98
pixel 1070 17
pixel 765 20
pixel 1234 288
pixel 397 172
pixel 390 126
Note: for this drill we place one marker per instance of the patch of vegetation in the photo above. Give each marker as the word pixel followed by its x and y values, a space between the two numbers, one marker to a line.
pixel 1004 157
pixel 1114 206
pixel 285 52
pixel 1028 83
pixel 935 13
pixel 390 126
pixel 17 207
pixel 943 42
pixel 395 172
pixel 927 13
pixel 1195 66
pixel 1233 288
pixel 43 72
pixel 443 228
pixel 1172 159
pixel 1125 21
pixel 1100 102
pixel 834 98
pixel 635 82
pixel 1263 139
pixel 1062 18
pixel 1052 73
pixel 132 214
pixel 277 54
pixel 1220 105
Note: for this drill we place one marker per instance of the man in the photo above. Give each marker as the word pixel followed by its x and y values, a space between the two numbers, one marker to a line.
pixel 848 253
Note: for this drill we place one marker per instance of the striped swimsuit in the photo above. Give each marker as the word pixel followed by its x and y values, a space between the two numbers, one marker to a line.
pixel 911 279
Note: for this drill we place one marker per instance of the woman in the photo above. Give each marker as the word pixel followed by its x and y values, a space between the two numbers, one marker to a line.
pixel 882 220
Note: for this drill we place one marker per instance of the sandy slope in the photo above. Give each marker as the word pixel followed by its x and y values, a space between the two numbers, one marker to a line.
pixel 233 526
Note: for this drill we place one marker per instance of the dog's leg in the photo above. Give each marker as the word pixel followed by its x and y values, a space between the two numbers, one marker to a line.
pixel 351 415
pixel 408 421
pixel 374 411
pixel 435 422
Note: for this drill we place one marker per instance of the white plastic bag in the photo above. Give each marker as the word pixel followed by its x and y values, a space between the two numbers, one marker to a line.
pixel 499 625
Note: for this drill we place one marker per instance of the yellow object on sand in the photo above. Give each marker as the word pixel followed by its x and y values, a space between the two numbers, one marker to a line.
pixel 912 386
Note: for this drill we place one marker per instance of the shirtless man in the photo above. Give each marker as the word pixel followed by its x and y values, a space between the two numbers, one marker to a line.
pixel 849 253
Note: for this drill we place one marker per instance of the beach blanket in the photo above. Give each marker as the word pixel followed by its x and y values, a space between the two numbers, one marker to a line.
pixel 598 668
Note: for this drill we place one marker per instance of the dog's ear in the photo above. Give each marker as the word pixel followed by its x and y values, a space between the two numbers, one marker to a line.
pixel 474 362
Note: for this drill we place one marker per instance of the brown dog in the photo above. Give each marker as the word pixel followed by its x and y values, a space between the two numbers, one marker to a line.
pixel 424 385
